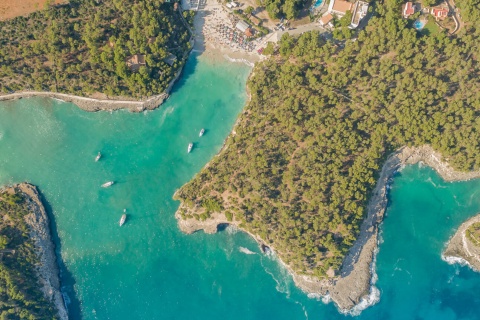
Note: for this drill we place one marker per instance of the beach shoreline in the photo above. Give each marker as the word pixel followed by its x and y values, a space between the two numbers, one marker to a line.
pixel 354 288
pixel 208 41
pixel 202 44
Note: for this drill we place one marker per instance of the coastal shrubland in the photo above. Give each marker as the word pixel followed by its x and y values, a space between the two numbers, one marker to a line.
pixel 20 294
pixel 82 48
pixel 299 169
pixel 473 233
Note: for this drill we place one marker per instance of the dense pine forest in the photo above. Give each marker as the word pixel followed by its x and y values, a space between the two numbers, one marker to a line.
pixel 322 119
pixel 83 47
pixel 20 296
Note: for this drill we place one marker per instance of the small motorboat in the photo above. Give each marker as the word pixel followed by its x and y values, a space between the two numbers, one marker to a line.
pixel 190 147
pixel 123 218
pixel 201 132
pixel 107 184
pixel 99 155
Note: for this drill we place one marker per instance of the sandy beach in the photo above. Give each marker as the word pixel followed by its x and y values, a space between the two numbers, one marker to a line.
pixel 212 39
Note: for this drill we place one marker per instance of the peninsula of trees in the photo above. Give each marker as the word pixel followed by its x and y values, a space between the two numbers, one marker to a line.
pixel 114 47
pixel 299 169
pixel 21 293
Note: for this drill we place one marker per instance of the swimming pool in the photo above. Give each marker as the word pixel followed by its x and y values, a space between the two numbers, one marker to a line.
pixel 419 24
pixel 318 3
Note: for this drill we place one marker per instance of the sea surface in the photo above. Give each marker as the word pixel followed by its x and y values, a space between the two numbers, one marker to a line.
pixel 148 269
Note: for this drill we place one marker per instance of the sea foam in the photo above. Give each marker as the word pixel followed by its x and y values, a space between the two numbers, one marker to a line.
pixel 245 250
pixel 244 61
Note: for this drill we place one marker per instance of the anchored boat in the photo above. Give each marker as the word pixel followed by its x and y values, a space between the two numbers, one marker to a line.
pixel 99 155
pixel 201 132
pixel 190 146
pixel 107 184
pixel 123 218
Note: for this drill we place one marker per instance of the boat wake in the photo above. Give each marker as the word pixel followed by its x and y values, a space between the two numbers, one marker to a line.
pixel 246 250
pixel 167 112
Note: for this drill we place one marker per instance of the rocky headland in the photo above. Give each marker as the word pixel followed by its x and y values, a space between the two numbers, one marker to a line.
pixel 47 269
pixel 461 249
pixel 353 286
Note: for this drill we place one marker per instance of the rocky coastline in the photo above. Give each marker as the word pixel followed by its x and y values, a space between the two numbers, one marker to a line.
pixel 353 288
pixel 93 105
pixel 461 250
pixel 47 271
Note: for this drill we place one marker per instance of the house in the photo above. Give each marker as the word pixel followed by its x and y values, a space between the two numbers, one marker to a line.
pixel 242 26
pixel 439 13
pixel 339 7
pixel 359 12
pixel 170 60
pixel 408 9
pixel 136 61
pixel 326 20
pixel 249 32
pixel 231 5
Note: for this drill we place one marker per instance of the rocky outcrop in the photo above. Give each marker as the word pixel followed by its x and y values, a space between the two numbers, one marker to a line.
pixel 461 250
pixel 353 287
pixel 47 270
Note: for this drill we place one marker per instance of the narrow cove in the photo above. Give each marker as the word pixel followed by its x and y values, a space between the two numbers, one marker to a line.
pixel 148 269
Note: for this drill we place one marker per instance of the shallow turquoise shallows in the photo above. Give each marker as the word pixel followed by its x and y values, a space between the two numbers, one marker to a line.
pixel 148 269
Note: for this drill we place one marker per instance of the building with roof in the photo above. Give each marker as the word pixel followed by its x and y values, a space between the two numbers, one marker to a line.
pixel 408 9
pixel 439 12
pixel 339 7
pixel 326 20
pixel 359 12
pixel 136 61
pixel 242 26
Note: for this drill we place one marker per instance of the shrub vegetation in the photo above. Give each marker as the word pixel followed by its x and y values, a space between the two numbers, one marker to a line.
pixel 323 118
pixel 81 48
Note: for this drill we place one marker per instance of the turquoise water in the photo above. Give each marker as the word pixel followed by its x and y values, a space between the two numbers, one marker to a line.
pixel 149 270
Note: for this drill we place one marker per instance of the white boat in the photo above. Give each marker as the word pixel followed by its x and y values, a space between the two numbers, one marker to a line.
pixel 190 146
pixel 99 155
pixel 201 132
pixel 107 184
pixel 123 219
